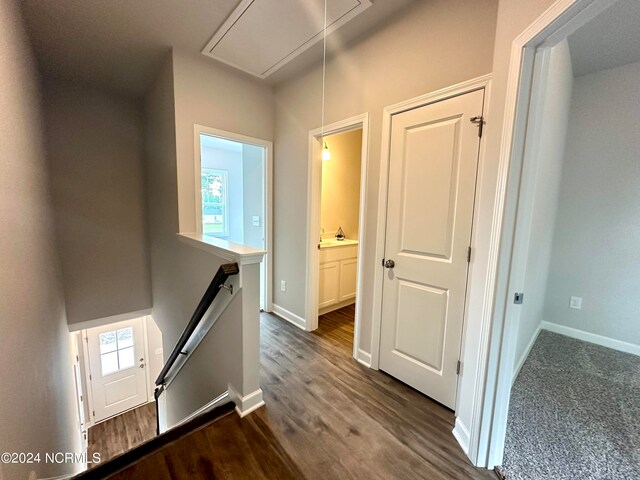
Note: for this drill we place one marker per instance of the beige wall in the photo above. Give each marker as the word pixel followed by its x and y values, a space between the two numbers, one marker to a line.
pixel 428 46
pixel 38 411
pixel 191 90
pixel 95 150
pixel 341 184
pixel 215 96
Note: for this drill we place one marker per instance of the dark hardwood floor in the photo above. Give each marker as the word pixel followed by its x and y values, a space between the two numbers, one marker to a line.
pixel 326 417
pixel 124 432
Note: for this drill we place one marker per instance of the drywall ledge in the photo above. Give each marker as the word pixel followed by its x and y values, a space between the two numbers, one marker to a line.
pixel 233 252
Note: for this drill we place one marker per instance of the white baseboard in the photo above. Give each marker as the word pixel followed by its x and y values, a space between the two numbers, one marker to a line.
pixel 219 400
pixel 462 435
pixel 525 354
pixel 290 317
pixel 247 404
pixel 364 358
pixel 592 338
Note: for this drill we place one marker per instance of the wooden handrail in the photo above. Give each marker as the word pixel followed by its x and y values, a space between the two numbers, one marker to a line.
pixel 210 294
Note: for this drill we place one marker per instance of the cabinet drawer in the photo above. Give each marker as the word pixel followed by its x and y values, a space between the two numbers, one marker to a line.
pixel 335 254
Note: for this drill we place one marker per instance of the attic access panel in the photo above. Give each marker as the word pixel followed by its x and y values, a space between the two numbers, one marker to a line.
pixel 260 36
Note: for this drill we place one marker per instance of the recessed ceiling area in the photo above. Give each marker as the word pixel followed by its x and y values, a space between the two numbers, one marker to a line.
pixel 610 40
pixel 260 36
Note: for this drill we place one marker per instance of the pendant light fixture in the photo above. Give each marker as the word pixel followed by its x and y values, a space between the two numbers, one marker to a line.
pixel 326 153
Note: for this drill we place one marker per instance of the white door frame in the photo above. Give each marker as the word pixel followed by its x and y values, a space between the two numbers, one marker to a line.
pixel 313 220
pixel 266 268
pixel 86 361
pixel 553 26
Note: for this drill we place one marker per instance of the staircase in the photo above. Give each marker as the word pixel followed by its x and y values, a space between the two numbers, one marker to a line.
pixel 179 432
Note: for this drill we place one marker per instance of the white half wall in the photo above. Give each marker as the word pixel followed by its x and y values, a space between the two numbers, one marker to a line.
pixel 192 90
pixel 597 233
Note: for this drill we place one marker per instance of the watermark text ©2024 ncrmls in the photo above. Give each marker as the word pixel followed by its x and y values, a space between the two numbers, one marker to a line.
pixel 49 457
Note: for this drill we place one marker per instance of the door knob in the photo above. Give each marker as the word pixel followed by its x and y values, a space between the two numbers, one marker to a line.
pixel 389 264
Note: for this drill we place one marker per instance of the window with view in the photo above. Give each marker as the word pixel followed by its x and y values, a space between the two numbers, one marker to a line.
pixel 215 214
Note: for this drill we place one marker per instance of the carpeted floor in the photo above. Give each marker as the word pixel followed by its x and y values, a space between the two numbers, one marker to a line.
pixel 574 413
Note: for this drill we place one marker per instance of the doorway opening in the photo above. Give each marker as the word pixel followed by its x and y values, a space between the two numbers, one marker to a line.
pixel 339 224
pixel 116 366
pixel 338 158
pixel 568 361
pixel 233 201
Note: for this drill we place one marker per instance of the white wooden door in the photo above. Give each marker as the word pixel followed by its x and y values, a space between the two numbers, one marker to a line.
pixel 432 178
pixel 117 368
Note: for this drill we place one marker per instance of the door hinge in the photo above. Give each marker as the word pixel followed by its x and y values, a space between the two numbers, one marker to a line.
pixel 382 262
pixel 94 413
pixel 458 367
pixel 518 298
pixel 469 255
pixel 77 358
pixel 81 399
pixel 90 378
pixel 478 120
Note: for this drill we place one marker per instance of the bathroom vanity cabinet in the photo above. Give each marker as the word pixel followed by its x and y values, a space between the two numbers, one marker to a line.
pixel 338 273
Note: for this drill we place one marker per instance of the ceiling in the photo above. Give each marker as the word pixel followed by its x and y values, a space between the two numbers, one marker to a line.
pixel 612 39
pixel 120 44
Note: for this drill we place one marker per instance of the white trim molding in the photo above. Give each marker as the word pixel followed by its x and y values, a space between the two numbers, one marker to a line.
pixel 232 252
pixel 601 340
pixel 461 433
pixel 216 402
pixel 289 316
pixel 364 358
pixel 247 404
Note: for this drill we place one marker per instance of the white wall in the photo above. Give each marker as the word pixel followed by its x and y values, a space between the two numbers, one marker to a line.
pixel 192 90
pixel 427 46
pixel 253 159
pixel 340 206
pixel 38 411
pixel 231 162
pixel 545 162
pixel 94 150
pixel 595 247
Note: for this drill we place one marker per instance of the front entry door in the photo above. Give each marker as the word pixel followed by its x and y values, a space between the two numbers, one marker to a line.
pixel 118 369
pixel 432 179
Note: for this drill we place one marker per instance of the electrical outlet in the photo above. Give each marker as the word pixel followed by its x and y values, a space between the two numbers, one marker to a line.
pixel 575 303
pixel 255 220
pixel 283 286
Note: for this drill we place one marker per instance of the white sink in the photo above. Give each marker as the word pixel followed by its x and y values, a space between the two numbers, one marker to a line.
pixel 334 242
